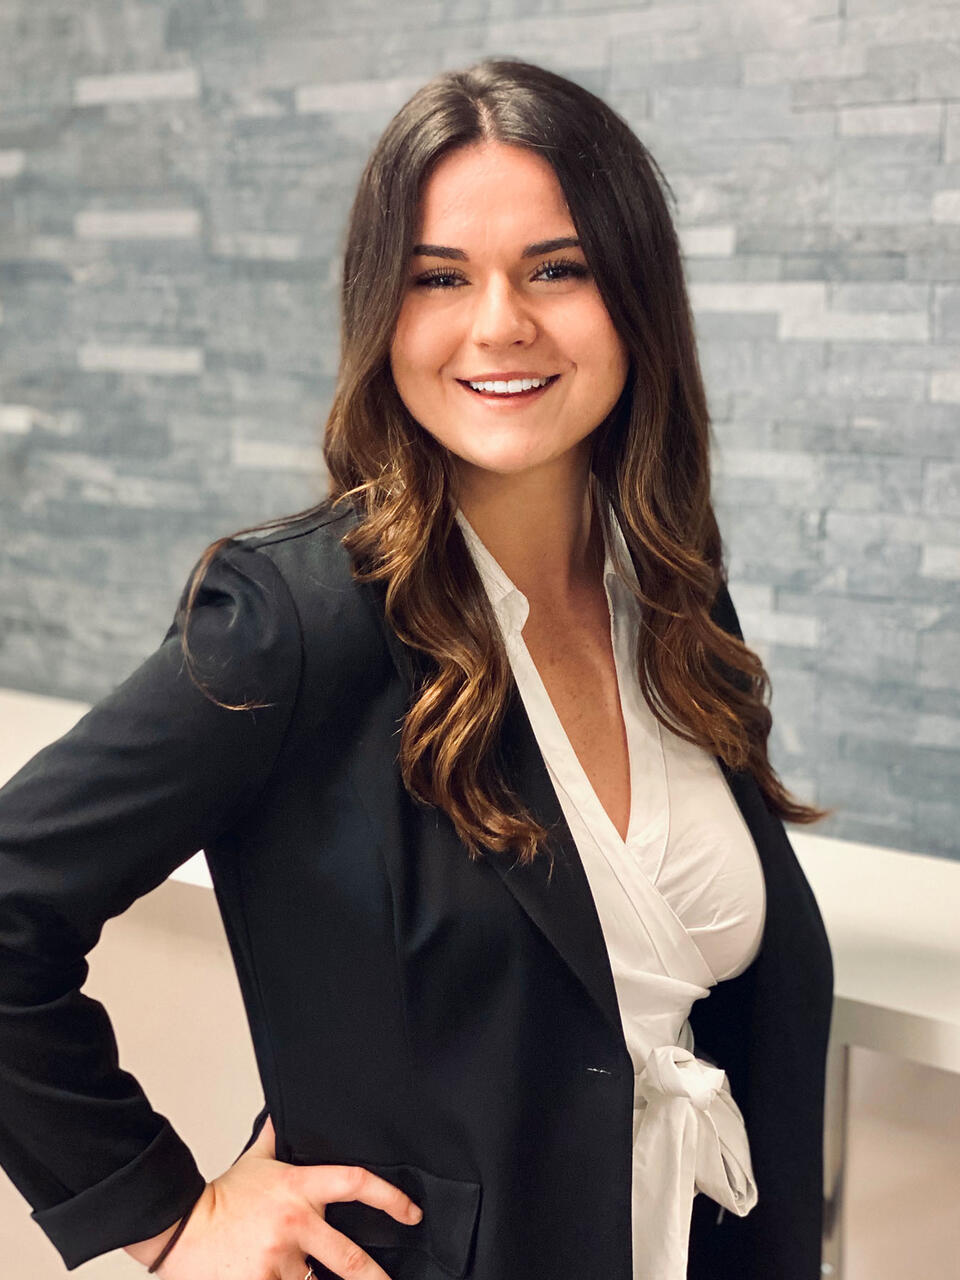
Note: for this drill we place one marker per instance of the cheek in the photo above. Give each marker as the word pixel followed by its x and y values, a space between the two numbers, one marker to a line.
pixel 418 340
pixel 403 346
pixel 600 338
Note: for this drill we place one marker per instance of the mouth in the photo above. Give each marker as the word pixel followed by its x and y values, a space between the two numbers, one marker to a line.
pixel 507 398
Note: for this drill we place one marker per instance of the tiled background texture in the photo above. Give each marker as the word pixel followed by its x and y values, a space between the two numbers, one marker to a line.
pixel 174 181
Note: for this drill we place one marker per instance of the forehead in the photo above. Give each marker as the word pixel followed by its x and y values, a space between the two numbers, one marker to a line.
pixel 489 193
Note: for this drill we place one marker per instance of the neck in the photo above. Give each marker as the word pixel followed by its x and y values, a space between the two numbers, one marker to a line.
pixel 540 527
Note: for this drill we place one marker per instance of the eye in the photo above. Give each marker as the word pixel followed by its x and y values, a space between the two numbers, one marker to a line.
pixel 565 267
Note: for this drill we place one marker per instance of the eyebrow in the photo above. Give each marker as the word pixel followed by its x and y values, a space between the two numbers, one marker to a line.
pixel 531 251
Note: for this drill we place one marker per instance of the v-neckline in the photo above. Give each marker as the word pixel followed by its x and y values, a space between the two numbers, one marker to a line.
pixel 512 608
pixel 596 813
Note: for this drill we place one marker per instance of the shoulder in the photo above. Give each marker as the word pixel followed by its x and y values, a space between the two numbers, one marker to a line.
pixel 306 553
pixel 337 615
pixel 306 543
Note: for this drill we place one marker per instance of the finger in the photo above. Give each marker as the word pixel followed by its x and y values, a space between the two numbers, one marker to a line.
pixel 322 1183
pixel 295 1268
pixel 341 1255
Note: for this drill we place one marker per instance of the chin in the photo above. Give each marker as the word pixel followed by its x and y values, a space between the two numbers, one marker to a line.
pixel 504 462
pixel 506 452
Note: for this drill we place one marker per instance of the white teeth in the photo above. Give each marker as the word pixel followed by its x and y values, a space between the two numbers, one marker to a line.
pixel 510 388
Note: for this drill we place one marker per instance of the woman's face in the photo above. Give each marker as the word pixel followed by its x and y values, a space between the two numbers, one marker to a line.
pixel 482 307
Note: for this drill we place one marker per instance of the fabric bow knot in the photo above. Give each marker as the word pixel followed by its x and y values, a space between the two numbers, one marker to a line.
pixel 676 1072
pixel 689 1135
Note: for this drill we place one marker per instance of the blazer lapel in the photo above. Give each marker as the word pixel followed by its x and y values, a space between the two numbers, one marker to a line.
pixel 559 902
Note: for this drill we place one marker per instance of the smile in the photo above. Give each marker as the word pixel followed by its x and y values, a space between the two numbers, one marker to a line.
pixel 506 397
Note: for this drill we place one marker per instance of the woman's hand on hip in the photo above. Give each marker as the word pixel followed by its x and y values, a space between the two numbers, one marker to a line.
pixel 260 1218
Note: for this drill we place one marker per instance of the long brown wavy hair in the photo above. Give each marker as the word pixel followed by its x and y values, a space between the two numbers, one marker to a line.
pixel 650 457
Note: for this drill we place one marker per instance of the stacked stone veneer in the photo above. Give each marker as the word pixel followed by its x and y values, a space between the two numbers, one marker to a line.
pixel 174 180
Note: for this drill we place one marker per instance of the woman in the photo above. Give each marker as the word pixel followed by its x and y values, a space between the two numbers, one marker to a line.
pixel 477 756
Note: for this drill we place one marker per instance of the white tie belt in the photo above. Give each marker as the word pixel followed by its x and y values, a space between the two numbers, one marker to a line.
pixel 689 1136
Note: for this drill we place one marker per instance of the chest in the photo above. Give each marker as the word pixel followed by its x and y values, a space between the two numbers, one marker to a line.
pixel 574 656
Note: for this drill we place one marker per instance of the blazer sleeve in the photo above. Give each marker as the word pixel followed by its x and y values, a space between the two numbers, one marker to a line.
pixel 93 821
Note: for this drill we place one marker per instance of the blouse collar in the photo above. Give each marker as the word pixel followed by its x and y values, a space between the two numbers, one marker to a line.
pixel 510 604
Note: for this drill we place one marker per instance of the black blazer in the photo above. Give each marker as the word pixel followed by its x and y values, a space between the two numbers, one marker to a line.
pixel 451 1025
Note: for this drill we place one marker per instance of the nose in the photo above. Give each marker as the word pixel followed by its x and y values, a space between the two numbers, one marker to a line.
pixel 500 316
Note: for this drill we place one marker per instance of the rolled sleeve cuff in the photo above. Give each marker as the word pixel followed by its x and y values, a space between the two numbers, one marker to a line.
pixel 134 1203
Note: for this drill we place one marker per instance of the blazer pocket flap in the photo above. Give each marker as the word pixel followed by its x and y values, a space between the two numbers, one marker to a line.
pixel 445 1232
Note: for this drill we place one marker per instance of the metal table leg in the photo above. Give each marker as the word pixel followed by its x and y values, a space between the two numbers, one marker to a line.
pixel 834 1157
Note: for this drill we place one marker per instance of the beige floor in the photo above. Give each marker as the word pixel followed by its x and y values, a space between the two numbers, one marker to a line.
pixel 903 1183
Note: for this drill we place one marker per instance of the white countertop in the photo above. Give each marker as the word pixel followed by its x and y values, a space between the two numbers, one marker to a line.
pixel 893 919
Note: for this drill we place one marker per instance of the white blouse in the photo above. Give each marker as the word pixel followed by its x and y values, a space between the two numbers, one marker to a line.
pixel 681 904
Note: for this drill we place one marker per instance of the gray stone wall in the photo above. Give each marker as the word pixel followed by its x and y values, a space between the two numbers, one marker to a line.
pixel 174 181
